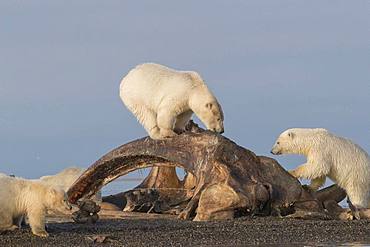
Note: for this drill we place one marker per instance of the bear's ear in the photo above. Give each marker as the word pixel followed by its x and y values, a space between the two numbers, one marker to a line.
pixel 209 105
pixel 291 135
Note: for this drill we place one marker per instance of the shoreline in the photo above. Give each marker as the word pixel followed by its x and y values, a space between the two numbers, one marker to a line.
pixel 139 230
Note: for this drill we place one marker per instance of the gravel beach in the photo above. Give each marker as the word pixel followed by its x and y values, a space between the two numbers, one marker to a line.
pixel 172 232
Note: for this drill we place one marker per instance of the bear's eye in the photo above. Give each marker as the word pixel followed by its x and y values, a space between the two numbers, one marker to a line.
pixel 278 143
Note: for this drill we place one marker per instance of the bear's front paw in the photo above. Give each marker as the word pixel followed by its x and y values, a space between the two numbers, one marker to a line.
pixel 346 215
pixel 155 134
pixel 167 133
pixel 42 234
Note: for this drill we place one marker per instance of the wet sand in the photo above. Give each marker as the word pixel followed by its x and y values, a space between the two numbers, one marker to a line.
pixel 172 232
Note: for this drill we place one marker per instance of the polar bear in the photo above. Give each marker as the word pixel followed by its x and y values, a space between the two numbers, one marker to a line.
pixel 328 155
pixel 164 99
pixel 66 178
pixel 19 197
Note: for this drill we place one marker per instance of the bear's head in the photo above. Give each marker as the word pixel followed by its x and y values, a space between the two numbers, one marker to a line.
pixel 297 141
pixel 212 116
pixel 206 107
pixel 57 200
pixel 284 143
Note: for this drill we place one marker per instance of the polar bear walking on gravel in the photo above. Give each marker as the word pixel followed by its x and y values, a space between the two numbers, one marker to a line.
pixel 164 99
pixel 19 197
pixel 344 162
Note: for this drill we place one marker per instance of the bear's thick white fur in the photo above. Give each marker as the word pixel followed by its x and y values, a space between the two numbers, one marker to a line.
pixel 20 197
pixel 66 178
pixel 164 99
pixel 328 155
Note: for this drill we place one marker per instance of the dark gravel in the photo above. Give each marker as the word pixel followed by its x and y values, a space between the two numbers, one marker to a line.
pixel 162 232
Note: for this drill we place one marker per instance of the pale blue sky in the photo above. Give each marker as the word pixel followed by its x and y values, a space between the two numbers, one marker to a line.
pixel 272 64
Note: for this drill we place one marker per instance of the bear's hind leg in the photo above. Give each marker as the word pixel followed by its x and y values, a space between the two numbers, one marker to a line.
pixel 9 228
pixel 36 220
pixel 6 223
pixel 148 119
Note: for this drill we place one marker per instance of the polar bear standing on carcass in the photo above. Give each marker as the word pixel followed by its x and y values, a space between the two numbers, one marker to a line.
pixel 163 99
pixel 19 197
pixel 344 162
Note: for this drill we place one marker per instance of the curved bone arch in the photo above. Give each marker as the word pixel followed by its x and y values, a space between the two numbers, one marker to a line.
pixel 229 180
